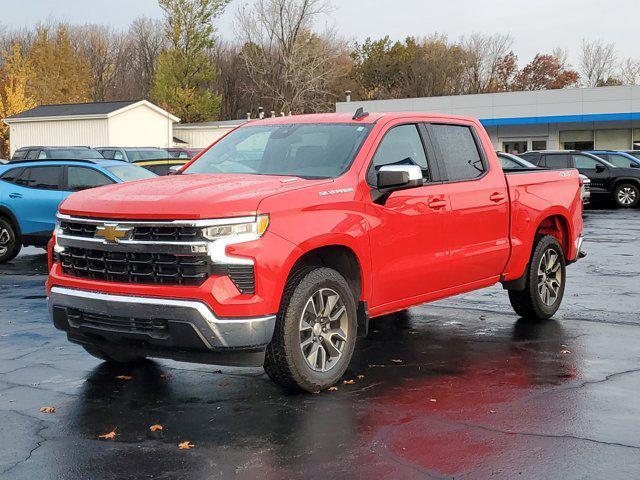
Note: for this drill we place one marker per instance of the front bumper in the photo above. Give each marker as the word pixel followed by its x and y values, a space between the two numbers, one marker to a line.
pixel 159 327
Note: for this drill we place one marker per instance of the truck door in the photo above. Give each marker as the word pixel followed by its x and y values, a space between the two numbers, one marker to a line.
pixel 477 229
pixel 408 247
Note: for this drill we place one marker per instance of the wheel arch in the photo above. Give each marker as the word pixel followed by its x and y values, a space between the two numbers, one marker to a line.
pixel 558 226
pixel 8 214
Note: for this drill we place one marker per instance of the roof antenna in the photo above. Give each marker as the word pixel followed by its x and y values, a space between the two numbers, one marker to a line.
pixel 360 113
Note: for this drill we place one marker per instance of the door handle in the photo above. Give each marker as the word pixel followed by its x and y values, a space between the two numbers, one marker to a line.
pixel 437 204
pixel 15 195
pixel 497 197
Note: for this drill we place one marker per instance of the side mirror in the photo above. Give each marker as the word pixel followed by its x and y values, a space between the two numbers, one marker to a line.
pixel 634 165
pixel 600 168
pixel 175 169
pixel 399 177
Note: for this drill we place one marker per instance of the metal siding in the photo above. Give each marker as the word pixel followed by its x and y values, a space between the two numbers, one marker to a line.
pixel 199 137
pixel 62 133
pixel 140 127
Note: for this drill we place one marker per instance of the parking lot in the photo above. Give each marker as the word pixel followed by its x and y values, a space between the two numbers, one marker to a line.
pixel 456 389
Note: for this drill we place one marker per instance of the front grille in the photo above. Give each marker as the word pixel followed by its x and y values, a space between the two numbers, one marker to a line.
pixel 85 230
pixel 141 232
pixel 130 267
pixel 587 187
pixel 157 328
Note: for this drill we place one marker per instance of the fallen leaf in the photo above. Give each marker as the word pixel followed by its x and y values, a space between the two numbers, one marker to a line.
pixel 124 377
pixel 186 445
pixel 48 410
pixel 565 352
pixel 349 382
pixel 360 377
pixel 108 436
pixel 155 428
pixel 396 360
pixel 332 389
pixel 433 400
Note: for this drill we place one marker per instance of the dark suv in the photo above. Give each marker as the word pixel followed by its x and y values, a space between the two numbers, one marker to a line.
pixel 56 153
pixel 608 181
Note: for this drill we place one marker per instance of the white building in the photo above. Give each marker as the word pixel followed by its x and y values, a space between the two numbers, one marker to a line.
pixel 201 135
pixel 584 119
pixel 123 124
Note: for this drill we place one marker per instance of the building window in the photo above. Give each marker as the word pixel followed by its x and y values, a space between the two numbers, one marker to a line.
pixel 577 140
pixel 515 147
pixel 578 145
pixel 538 145
pixel 613 139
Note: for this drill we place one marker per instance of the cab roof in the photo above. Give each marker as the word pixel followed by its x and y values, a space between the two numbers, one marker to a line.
pixel 344 117
pixel 45 162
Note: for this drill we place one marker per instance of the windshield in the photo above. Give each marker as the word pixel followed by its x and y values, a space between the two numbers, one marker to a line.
pixel 130 173
pixel 301 150
pixel 149 154
pixel 75 154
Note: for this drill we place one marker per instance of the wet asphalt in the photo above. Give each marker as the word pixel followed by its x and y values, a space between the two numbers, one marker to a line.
pixel 458 389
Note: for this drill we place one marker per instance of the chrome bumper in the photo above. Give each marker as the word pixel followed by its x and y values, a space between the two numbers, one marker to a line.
pixel 581 252
pixel 215 333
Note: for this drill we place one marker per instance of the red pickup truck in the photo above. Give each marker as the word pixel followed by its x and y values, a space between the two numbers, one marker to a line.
pixel 277 244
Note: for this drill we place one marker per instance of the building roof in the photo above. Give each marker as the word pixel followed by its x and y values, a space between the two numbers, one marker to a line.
pixel 79 110
pixel 205 125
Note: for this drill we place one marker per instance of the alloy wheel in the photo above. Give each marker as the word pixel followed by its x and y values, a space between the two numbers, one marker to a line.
pixel 5 241
pixel 627 196
pixel 549 277
pixel 324 327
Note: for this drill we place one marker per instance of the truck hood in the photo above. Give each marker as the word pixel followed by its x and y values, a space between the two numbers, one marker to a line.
pixel 182 197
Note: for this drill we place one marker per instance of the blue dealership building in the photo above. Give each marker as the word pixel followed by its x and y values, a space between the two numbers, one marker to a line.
pixel 604 118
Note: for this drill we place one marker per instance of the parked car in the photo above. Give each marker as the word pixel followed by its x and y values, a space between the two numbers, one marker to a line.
pixel 619 159
pixel 635 153
pixel 134 154
pixel 56 153
pixel 187 153
pixel 280 241
pixel 30 192
pixel 162 167
pixel 622 185
pixel 510 161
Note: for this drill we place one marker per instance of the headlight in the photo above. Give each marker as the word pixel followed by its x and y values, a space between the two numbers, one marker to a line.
pixel 246 230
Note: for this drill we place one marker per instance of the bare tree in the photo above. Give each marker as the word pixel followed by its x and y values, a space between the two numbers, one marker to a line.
pixel 598 63
pixel 630 72
pixel 146 41
pixel 289 64
pixel 486 55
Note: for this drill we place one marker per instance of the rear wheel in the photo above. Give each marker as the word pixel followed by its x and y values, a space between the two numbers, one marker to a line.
pixel 545 282
pixel 9 241
pixel 315 331
pixel 627 195
pixel 111 356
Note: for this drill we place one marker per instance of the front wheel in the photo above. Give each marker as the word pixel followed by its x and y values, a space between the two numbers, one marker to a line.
pixel 545 282
pixel 315 331
pixel 9 242
pixel 627 195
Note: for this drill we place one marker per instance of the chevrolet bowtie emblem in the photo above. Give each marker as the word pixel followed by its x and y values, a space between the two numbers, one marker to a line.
pixel 112 233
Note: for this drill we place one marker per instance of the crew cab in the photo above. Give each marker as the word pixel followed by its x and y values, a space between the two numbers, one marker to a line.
pixel 622 185
pixel 278 243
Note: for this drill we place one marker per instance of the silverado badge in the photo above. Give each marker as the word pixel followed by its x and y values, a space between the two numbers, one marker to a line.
pixel 112 233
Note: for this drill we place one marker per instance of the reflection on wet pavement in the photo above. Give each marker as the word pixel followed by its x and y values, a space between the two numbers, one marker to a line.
pixel 458 389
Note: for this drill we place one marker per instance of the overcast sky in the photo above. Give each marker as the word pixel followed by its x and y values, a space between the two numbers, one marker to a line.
pixel 536 25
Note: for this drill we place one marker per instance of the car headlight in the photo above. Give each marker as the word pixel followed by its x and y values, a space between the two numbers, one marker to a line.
pixel 245 230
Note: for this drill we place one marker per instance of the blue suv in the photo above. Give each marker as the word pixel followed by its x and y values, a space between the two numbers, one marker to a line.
pixel 31 191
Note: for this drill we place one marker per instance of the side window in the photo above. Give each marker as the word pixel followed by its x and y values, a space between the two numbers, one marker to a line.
pixel 44 178
pixel 557 161
pixel 401 145
pixel 107 153
pixel 22 178
pixel 585 163
pixel 118 155
pixel 508 163
pixel 20 155
pixel 82 178
pixel 459 151
pixel 12 175
pixel 43 155
pixel 33 154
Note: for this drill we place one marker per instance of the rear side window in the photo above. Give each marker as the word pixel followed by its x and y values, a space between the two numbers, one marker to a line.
pixel 20 155
pixel 459 151
pixel 557 161
pixel 12 175
pixel 44 178
pixel 82 178
pixel 401 145
pixel 33 154
pixel 107 153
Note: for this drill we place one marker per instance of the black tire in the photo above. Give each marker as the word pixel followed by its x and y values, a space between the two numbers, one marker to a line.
pixel 112 357
pixel 626 195
pixel 9 242
pixel 285 362
pixel 530 303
